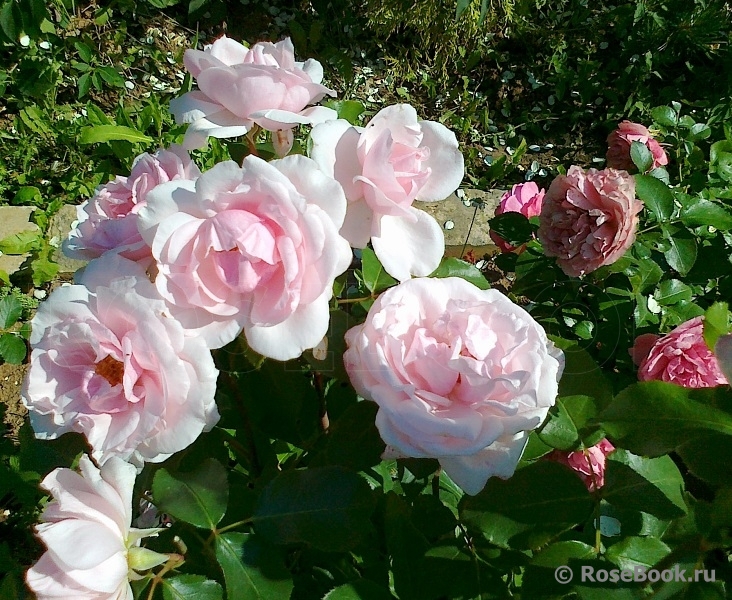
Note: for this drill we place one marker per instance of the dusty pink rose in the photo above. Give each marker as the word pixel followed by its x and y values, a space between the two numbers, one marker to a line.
pixel 588 463
pixel 254 247
pixel 681 357
pixel 239 87
pixel 92 551
pixel 459 374
pixel 620 140
pixel 589 219
pixel 524 198
pixel 384 167
pixel 108 222
pixel 108 361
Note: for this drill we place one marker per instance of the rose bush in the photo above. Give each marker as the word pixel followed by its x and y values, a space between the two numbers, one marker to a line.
pixel 524 198
pixel 681 357
pixel 459 374
pixel 108 221
pixel 384 167
pixel 239 87
pixel 254 247
pixel 620 141
pixel 92 550
pixel 108 362
pixel 589 218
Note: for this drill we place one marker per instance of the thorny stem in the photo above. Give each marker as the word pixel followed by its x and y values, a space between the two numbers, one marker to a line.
pixel 174 561
pixel 229 527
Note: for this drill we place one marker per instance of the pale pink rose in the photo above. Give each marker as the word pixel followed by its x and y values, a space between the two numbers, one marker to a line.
pixel 620 141
pixel 460 374
pixel 109 362
pixel 253 247
pixel 239 87
pixel 92 551
pixel 588 463
pixel 682 357
pixel 108 222
pixel 589 219
pixel 723 352
pixel 384 167
pixel 524 198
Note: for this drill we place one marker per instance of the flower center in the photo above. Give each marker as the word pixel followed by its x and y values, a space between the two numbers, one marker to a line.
pixel 111 369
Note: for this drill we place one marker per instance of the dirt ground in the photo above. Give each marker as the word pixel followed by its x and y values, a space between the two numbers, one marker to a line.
pixel 11 380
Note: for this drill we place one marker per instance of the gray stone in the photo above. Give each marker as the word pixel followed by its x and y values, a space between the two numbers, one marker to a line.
pixel 58 231
pixel 458 217
pixel 14 219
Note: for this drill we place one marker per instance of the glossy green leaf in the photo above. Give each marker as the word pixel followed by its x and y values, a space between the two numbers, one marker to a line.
pixel 641 156
pixel 10 311
pixel 350 110
pixel 190 587
pixel 198 497
pixel 716 323
pixel 654 417
pixel 637 551
pixel 664 115
pixel 513 227
pixel 375 277
pixel 707 213
pixel 12 348
pixel 326 507
pixel 106 133
pixel 656 195
pixel 454 267
pixel 652 485
pixel 672 291
pixel 567 418
pixel 709 457
pixel 252 569
pixel 681 256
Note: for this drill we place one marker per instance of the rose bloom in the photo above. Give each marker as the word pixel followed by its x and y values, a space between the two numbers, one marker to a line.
pixel 254 247
pixel 239 87
pixel 92 551
pixel 620 141
pixel 588 463
pixel 460 374
pixel 109 220
pixel 681 357
pixel 524 198
pixel 107 361
pixel 383 168
pixel 589 219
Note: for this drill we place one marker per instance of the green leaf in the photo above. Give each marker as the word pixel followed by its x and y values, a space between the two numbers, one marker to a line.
pixel 513 227
pixel 462 5
pixel 654 417
pixel 528 510
pixel 190 587
pixel 198 497
pixel 20 243
pixel 375 277
pixel 707 213
pixel 12 348
pixel 716 323
pixel 664 115
pixel 656 195
pixel 637 551
pixel 682 254
pixel 349 110
pixel 106 133
pixel 454 267
pixel 10 311
pixel 361 589
pixel 252 569
pixel 567 418
pixel 559 553
pixel 652 485
pixel 9 22
pixel 719 148
pixel 644 274
pixel 326 507
pixel 581 375
pixel 672 291
pixel 641 156
pixel 709 457
pixel 26 195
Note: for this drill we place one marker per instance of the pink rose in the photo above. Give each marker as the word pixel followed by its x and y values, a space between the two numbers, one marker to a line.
pixel 108 222
pixel 620 140
pixel 110 363
pixel 589 463
pixel 253 247
pixel 239 87
pixel 524 198
pixel 91 549
pixel 459 374
pixel 589 219
pixel 681 357
pixel 383 168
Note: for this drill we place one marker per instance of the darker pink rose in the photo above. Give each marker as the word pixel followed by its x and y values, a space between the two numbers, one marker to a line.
pixel 524 198
pixel 588 463
pixel 620 141
pixel 589 219
pixel 681 357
